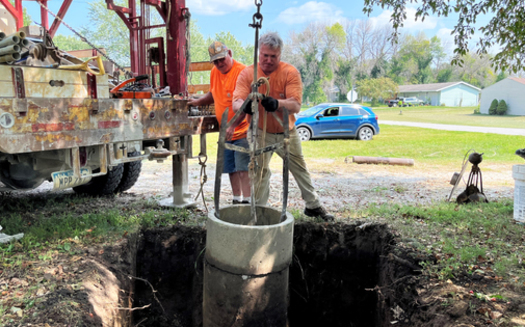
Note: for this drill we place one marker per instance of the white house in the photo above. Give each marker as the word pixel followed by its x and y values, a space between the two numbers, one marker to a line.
pixel 452 94
pixel 511 89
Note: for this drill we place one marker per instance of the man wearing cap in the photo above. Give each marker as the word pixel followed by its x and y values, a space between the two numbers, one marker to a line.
pixel 222 84
pixel 286 90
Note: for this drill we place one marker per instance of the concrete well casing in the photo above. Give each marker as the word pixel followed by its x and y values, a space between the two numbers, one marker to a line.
pixel 246 267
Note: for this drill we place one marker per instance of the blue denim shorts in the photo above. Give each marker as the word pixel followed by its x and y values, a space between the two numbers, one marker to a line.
pixel 234 160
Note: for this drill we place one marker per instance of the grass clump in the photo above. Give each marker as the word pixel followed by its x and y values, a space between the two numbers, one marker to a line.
pixel 464 239
pixel 85 220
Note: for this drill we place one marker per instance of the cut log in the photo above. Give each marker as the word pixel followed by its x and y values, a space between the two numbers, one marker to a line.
pixel 384 161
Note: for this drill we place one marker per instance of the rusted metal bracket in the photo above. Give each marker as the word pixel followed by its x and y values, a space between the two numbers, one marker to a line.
pixel 75 162
pixel 92 85
pixel 20 102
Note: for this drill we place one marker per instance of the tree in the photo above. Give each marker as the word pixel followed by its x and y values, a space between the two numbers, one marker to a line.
pixel 475 70
pixel 493 110
pixel 502 107
pixel 444 75
pixel 69 42
pixel 242 53
pixel 315 52
pixel 377 88
pixel 416 52
pixel 505 29
pixel 501 76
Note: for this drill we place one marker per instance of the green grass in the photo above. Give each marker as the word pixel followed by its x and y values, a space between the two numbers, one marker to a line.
pixel 450 116
pixel 444 115
pixel 427 146
pixel 48 220
pixel 461 237
pixel 430 146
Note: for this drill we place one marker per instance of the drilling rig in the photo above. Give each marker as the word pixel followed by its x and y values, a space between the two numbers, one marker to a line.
pixel 75 124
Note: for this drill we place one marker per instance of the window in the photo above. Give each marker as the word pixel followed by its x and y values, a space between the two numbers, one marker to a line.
pixel 349 111
pixel 331 112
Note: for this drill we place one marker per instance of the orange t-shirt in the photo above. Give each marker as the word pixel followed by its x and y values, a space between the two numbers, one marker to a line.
pixel 222 86
pixel 285 83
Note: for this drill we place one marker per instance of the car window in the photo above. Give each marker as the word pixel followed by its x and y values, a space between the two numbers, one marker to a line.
pixel 363 112
pixel 333 111
pixel 310 111
pixel 349 111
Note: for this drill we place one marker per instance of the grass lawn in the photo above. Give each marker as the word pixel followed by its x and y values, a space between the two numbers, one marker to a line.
pixel 477 239
pixel 437 148
pixel 423 145
pixel 449 115
pixel 446 115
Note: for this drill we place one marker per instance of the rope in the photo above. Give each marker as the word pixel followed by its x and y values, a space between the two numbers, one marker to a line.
pixel 260 81
pixel 203 179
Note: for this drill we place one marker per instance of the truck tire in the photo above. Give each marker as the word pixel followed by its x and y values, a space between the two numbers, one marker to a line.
pixel 131 173
pixel 102 185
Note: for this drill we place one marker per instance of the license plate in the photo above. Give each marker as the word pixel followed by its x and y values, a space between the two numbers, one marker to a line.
pixel 66 179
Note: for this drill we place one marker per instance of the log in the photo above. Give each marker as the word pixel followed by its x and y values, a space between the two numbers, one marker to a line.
pixel 384 161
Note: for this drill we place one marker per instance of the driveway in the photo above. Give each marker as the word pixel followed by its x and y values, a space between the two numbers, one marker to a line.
pixel 458 128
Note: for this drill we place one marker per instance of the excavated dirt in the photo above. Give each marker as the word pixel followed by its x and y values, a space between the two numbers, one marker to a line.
pixel 341 275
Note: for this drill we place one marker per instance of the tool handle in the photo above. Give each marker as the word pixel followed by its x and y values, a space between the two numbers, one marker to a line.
pixel 118 87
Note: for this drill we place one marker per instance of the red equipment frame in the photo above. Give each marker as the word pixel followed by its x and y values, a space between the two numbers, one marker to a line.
pixel 173 12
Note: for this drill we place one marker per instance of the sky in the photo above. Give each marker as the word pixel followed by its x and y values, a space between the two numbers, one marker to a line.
pixel 282 16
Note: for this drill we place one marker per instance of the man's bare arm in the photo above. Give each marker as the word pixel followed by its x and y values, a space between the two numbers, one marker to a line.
pixel 202 101
pixel 236 105
pixel 291 104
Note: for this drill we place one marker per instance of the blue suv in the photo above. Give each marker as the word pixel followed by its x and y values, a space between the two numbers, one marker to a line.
pixel 337 120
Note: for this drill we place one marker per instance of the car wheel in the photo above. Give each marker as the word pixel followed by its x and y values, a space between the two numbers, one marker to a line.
pixel 304 134
pixel 365 134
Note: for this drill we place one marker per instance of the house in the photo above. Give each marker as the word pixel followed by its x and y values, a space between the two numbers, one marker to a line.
pixel 511 89
pixel 452 94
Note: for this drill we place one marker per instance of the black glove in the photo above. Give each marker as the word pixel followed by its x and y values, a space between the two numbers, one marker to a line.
pixel 247 107
pixel 270 104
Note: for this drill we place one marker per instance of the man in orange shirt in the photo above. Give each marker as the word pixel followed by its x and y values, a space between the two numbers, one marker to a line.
pixel 286 90
pixel 222 83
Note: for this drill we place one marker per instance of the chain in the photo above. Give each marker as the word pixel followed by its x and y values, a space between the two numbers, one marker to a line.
pixel 204 179
pixel 83 39
pixel 257 16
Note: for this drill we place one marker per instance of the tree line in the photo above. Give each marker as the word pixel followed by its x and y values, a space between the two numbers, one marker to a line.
pixel 332 58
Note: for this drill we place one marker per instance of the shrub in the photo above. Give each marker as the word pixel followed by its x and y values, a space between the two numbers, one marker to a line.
pixel 477 111
pixel 502 108
pixel 493 110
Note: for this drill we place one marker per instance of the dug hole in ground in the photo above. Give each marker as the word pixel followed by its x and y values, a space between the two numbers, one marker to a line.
pixel 350 273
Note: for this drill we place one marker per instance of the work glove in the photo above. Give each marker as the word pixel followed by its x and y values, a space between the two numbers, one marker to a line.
pixel 248 107
pixel 270 104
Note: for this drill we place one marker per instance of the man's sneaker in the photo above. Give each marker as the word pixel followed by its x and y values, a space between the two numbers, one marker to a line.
pixel 320 213
pixel 245 202
pixel 236 202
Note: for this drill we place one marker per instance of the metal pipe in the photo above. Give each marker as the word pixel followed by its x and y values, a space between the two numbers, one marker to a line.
pixel 20 34
pixel 2 35
pixel 9 40
pixel 10 57
pixel 9 49
pixel 24 42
